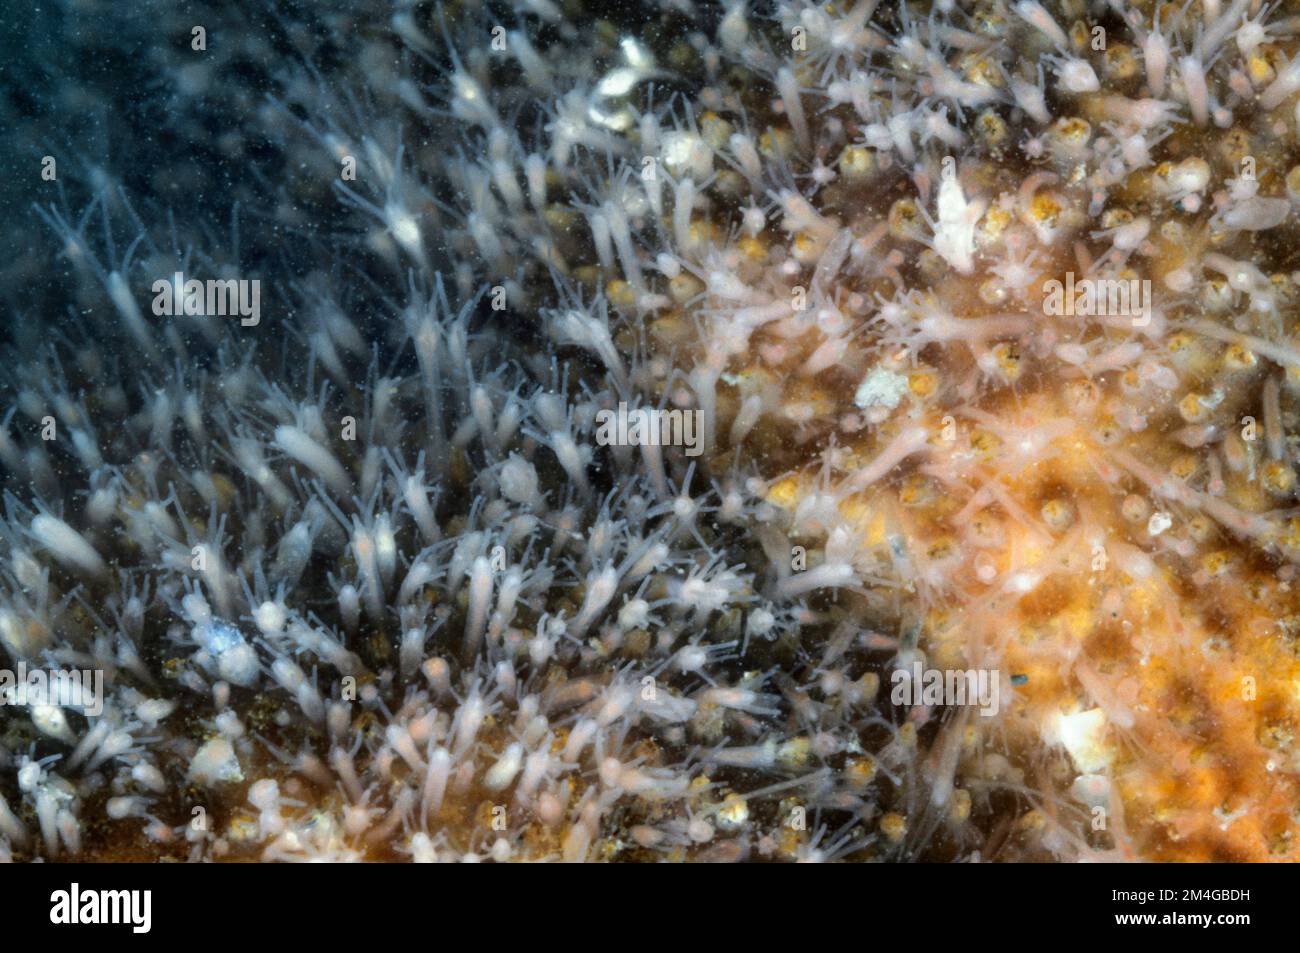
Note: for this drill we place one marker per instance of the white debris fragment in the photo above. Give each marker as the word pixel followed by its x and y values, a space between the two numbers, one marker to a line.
pixel 954 233
pixel 236 659
pixel 1083 735
pixel 215 762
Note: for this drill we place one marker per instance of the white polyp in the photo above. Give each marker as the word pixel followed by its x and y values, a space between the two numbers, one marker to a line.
pixel 67 546
pixel 583 733
pixel 385 548
pixel 825 576
pixel 1037 16
pixel 1192 73
pixel 746 154
pixel 270 618
pixel 363 547
pixel 419 575
pixel 469 718
pixel 350 607
pixel 570 458
pixel 502 773
pixel 417 502
pixel 535 176
pixel 683 204
pixel 438 674
pixel 119 292
pixel 315 457
pixel 788 87
pixel 1078 76
pixel 480 596
pixel 435 782
pixel 601 587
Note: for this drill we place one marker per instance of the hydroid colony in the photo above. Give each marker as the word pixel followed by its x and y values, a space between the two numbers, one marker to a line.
pixel 362 579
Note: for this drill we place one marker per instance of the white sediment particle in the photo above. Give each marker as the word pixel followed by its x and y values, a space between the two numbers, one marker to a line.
pixel 880 388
